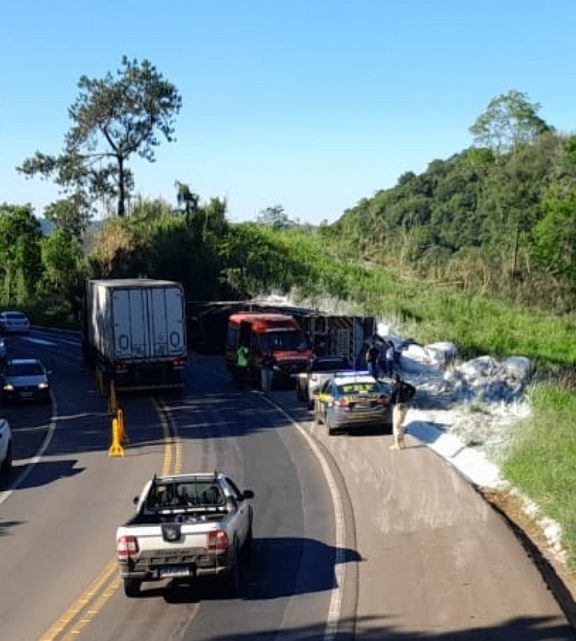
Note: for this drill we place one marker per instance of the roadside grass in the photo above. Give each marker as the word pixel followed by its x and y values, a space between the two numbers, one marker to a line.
pixel 541 461
pixel 429 313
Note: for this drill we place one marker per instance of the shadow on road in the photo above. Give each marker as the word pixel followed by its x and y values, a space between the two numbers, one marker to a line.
pixel 45 472
pixel 273 568
pixel 384 629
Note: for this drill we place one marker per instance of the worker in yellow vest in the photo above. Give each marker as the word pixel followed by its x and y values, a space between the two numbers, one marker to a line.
pixel 241 369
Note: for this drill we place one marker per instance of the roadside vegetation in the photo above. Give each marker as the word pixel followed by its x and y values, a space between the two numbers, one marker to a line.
pixel 477 250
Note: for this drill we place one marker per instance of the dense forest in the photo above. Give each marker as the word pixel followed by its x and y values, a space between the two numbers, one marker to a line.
pixel 498 218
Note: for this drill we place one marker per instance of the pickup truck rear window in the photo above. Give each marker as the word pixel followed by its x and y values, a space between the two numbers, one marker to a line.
pixel 167 495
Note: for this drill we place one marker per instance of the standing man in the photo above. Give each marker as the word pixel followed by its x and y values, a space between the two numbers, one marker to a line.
pixel 373 359
pixel 242 365
pixel 389 359
pixel 267 371
pixel 402 393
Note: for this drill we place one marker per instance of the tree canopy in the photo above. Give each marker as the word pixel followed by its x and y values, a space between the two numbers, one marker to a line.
pixel 113 118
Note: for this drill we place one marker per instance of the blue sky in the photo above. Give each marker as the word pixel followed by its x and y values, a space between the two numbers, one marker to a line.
pixel 308 104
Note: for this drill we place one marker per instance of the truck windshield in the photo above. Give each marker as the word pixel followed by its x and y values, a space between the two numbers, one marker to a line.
pixel 283 340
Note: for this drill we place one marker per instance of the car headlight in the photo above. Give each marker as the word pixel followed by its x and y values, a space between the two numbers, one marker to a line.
pixel 8 387
pixel 43 385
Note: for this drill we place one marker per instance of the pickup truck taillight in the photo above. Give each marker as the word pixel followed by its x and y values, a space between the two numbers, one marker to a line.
pixel 126 546
pixel 218 540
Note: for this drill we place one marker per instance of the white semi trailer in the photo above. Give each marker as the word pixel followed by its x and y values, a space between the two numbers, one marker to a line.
pixel 135 332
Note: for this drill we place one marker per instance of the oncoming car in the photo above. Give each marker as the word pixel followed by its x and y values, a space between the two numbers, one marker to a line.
pixel 12 322
pixel 24 379
pixel 353 400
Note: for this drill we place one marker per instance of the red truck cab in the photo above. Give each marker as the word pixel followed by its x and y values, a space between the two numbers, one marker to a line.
pixel 264 332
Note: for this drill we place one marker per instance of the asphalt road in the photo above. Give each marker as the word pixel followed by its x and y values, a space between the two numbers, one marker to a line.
pixel 58 523
pixel 352 540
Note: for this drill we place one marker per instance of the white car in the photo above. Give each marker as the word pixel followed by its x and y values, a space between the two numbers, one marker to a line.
pixel 319 369
pixel 13 322
pixel 5 446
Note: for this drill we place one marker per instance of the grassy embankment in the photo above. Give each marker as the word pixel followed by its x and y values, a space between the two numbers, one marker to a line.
pixel 541 461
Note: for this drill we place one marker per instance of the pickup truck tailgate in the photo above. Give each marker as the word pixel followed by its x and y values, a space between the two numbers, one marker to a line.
pixel 171 536
pixel 172 549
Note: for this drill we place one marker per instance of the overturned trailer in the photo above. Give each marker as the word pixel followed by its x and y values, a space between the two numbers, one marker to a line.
pixel 345 335
pixel 339 335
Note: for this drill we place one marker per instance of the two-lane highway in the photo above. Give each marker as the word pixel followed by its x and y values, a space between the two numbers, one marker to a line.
pixel 59 551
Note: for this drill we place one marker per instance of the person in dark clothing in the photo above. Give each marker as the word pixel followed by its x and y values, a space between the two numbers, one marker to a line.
pixel 267 371
pixel 373 359
pixel 402 393
pixel 389 360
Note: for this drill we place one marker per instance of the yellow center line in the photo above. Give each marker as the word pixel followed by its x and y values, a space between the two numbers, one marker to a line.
pixel 92 612
pixel 98 593
pixel 81 602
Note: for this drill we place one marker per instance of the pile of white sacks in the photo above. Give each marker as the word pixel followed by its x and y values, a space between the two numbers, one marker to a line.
pixel 477 401
pixel 467 410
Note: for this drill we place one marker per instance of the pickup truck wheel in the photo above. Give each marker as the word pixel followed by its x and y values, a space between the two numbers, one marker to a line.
pixel 132 587
pixel 248 541
pixel 231 580
pixel 300 394
pixel 331 430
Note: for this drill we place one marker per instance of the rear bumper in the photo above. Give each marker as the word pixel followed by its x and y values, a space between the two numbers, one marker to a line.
pixel 350 419
pixel 156 568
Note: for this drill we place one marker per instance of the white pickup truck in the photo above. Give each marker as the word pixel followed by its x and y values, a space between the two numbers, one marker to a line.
pixel 185 526
pixel 319 370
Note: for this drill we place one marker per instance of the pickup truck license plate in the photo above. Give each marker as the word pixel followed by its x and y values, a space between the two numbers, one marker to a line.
pixel 174 570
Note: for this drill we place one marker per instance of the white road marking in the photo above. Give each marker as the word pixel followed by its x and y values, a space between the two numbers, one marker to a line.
pixel 38 341
pixel 333 618
pixel 51 342
pixel 39 454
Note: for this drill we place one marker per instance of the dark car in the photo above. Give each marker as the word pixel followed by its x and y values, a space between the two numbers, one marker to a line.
pixel 351 400
pixel 308 383
pixel 25 379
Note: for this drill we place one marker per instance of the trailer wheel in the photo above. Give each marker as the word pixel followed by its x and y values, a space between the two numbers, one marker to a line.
pixel 132 587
